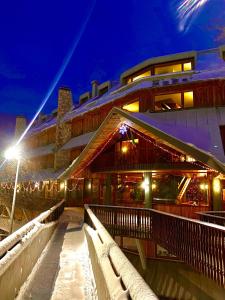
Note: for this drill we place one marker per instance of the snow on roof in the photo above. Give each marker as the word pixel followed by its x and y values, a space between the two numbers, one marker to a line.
pixel 209 65
pixel 78 141
pixel 41 151
pixel 199 127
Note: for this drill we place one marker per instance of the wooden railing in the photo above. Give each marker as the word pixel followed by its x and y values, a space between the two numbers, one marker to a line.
pixel 199 244
pixel 215 217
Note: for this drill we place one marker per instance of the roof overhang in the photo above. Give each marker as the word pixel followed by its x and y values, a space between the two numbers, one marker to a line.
pixel 111 125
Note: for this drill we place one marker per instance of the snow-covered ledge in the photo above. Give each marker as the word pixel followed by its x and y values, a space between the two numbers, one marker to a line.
pixel 115 276
pixel 20 251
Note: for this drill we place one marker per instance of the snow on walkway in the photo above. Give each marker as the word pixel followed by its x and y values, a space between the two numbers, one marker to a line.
pixel 63 270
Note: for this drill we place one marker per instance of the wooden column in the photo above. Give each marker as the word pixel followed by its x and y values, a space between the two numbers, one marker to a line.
pixel 108 192
pixel 148 189
pixel 216 194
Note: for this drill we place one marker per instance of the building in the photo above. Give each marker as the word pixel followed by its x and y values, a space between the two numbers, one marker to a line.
pixel 155 138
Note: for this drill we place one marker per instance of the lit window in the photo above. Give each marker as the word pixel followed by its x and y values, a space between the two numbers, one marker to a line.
pixel 132 107
pixel 187 66
pixel 148 73
pixel 168 102
pixel 168 69
pixel 188 99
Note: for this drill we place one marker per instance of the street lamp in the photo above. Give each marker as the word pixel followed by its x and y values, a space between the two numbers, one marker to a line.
pixel 12 153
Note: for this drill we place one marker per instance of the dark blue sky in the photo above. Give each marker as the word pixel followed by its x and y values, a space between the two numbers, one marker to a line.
pixel 37 35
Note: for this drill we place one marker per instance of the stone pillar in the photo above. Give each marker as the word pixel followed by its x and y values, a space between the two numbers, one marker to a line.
pixel 148 189
pixel 63 129
pixel 21 124
pixel 94 84
pixel 216 192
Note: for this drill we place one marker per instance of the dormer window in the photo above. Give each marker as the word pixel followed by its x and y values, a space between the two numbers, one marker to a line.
pixel 173 68
pixel 139 76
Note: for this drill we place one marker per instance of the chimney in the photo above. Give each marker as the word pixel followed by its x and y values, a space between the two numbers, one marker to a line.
pixel 21 124
pixel 94 84
pixel 65 101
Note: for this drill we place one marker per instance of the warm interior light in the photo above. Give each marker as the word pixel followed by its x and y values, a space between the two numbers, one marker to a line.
pixel 187 66
pixel 216 185
pixel 124 149
pixel 168 69
pixel 13 152
pixel 145 74
pixel 204 186
pixel 62 185
pixel 188 99
pixel 190 159
pixel 132 107
pixel 154 186
pixel 89 185
pixel 145 185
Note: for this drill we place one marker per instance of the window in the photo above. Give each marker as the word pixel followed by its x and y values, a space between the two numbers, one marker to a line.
pixel 168 69
pixel 167 102
pixel 173 68
pixel 174 101
pixel 132 107
pixel 187 66
pixel 148 73
pixel 139 76
pixel 188 99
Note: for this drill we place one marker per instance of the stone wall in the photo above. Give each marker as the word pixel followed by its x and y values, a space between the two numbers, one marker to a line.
pixel 63 129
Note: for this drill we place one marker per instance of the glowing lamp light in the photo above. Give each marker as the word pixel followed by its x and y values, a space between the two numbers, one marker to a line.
pixel 62 185
pixel 123 129
pixel 154 186
pixel 13 152
pixel 124 149
pixel 203 186
pixel 89 185
pixel 145 185
pixel 216 185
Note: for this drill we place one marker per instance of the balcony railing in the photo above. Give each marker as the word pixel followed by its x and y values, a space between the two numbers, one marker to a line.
pixel 215 217
pixel 199 244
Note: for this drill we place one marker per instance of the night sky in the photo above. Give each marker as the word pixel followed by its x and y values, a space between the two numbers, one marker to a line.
pixel 37 35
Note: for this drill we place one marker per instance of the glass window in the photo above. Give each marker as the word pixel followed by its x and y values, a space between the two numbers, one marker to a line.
pixel 132 107
pixel 168 101
pixel 187 66
pixel 145 74
pixel 168 69
pixel 188 99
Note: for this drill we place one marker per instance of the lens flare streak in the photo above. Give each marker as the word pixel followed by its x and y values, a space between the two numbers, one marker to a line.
pixel 61 70
pixel 187 10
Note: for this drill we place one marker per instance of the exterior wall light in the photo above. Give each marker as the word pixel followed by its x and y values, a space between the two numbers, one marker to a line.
pixel 216 185
pixel 145 185
pixel 124 149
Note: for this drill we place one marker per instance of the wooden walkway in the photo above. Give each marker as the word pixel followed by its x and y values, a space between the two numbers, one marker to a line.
pixel 63 270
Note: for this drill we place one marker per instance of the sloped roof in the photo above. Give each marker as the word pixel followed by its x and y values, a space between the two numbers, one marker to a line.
pixel 40 151
pixel 78 141
pixel 166 134
pixel 209 66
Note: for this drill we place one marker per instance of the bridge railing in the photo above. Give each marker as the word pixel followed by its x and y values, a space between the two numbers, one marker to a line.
pixel 199 244
pixel 215 217
pixel 20 251
pixel 116 278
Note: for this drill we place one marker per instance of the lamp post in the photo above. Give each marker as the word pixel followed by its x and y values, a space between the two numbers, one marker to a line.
pixel 10 154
